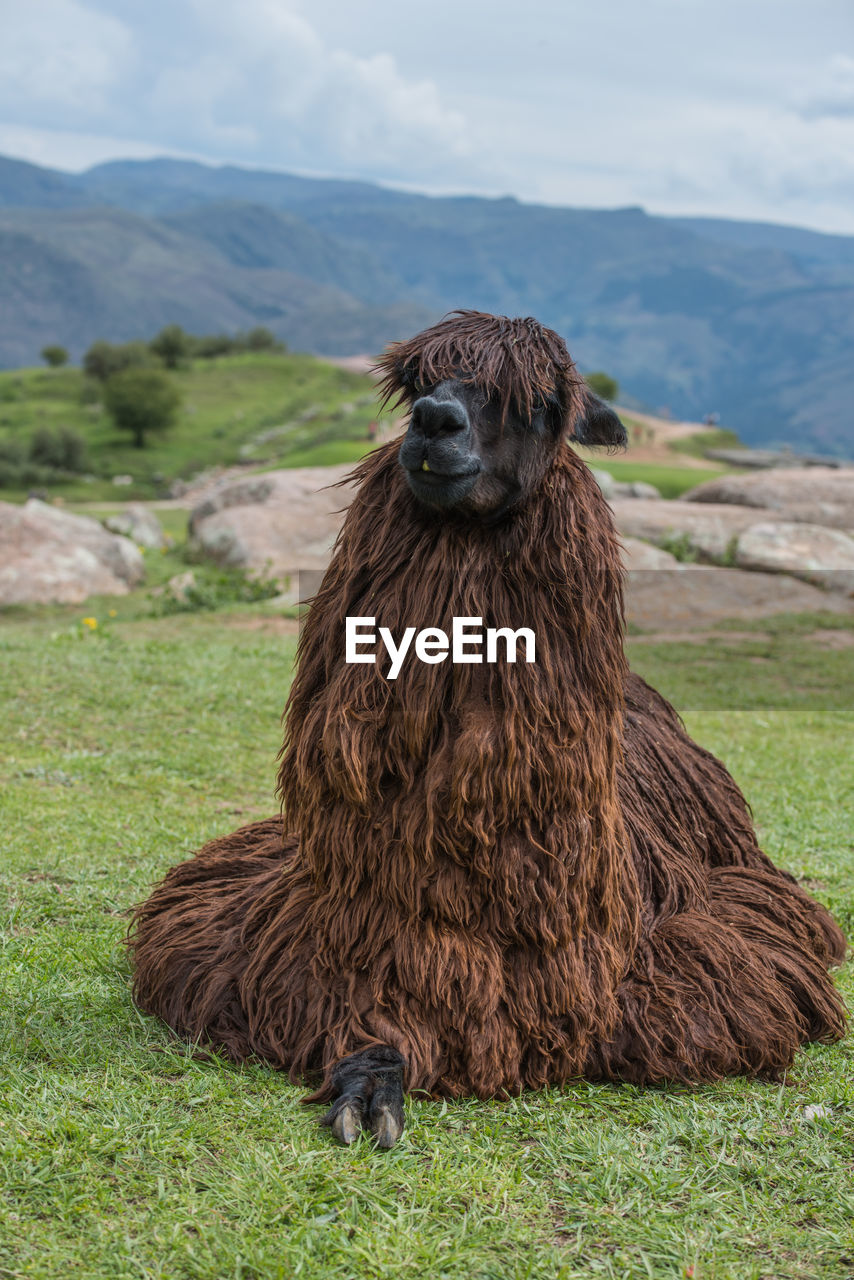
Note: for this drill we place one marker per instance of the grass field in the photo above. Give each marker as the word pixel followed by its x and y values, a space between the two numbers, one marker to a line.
pixel 284 410
pixel 125 1154
pixel 670 479
pixel 267 409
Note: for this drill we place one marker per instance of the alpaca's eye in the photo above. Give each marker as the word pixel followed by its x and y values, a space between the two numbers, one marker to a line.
pixel 411 381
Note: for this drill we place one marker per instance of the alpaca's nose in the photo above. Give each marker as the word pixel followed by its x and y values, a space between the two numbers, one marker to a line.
pixel 432 417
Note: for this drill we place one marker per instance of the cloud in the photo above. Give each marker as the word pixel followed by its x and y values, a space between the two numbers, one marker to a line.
pixel 681 107
pixel 57 56
pixel 264 86
pixel 834 97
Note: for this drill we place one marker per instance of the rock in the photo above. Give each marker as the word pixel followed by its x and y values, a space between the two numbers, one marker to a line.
pixel 807 551
pixel 605 481
pixel 47 555
pixel 636 489
pixel 705 531
pixel 623 489
pixel 140 524
pixel 122 480
pixel 181 584
pixel 276 523
pixel 809 495
pixel 694 597
pixel 639 555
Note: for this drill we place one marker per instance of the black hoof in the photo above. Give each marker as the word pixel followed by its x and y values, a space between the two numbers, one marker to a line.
pixel 369 1095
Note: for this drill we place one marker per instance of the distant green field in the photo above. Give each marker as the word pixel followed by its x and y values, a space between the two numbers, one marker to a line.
pixel 269 409
pixel 670 481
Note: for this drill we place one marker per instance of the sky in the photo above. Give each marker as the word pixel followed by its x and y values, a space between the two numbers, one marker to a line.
pixel 731 108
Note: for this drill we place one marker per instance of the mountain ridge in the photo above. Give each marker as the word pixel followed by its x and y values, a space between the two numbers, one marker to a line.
pixel 750 320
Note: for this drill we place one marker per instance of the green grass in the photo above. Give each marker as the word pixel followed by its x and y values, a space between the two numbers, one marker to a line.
pixel 267 409
pixel 671 480
pixel 715 438
pixel 271 410
pixel 124 1154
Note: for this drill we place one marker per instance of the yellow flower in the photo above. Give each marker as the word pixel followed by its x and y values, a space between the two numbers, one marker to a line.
pixel 112 613
pixel 91 623
pixel 141 549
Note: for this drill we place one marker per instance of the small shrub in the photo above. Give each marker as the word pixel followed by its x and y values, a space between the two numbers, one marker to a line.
pixel 261 339
pixel 602 385
pixel 62 449
pixel 213 345
pixel 679 545
pixel 104 359
pixel 54 356
pixel 216 589
pixel 730 555
pixel 172 345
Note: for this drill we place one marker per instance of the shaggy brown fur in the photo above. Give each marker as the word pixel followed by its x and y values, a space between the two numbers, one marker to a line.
pixel 512 874
pixel 516 361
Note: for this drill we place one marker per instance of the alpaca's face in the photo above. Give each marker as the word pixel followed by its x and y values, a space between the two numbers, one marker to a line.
pixel 459 455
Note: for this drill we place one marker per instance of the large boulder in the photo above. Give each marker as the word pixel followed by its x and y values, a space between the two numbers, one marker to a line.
pixel 698 531
pixel 48 555
pixel 140 523
pixel 275 523
pixel 809 495
pixel 664 600
pixel 808 551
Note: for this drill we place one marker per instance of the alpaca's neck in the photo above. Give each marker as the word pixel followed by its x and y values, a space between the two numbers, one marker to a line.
pixel 456 754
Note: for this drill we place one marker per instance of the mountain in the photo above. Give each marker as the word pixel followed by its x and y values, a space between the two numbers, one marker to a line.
pixel 753 321
pixel 71 276
pixel 28 185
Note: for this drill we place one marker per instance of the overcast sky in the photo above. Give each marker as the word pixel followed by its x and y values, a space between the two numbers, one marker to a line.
pixel 736 108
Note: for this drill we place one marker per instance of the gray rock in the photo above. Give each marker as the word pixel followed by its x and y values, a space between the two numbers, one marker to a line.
pixel 623 489
pixel 140 524
pixel 181 584
pixel 808 495
pixel 276 523
pixel 48 555
pixel 810 552
pixel 694 597
pixel 249 492
pixel 605 481
pixel 636 489
pixel 705 531
pixel 639 556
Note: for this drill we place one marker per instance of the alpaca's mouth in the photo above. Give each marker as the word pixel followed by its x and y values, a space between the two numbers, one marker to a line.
pixel 426 472
pixel 441 488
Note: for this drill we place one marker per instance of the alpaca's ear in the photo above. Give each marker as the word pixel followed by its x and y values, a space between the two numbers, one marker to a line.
pixel 598 424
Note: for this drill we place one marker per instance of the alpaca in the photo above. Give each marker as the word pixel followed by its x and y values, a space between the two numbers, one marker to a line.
pixel 490 877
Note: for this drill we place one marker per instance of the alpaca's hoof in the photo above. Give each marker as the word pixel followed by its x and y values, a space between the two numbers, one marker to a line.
pixel 347 1123
pixel 369 1086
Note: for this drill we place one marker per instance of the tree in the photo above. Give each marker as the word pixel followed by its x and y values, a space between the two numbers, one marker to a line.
pixel 141 401
pixel 103 359
pixel 262 339
pixel 212 345
pixel 603 385
pixel 63 449
pixel 54 356
pixel 172 345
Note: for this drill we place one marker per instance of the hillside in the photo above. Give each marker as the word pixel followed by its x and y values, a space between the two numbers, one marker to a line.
pixel 259 409
pixel 698 315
